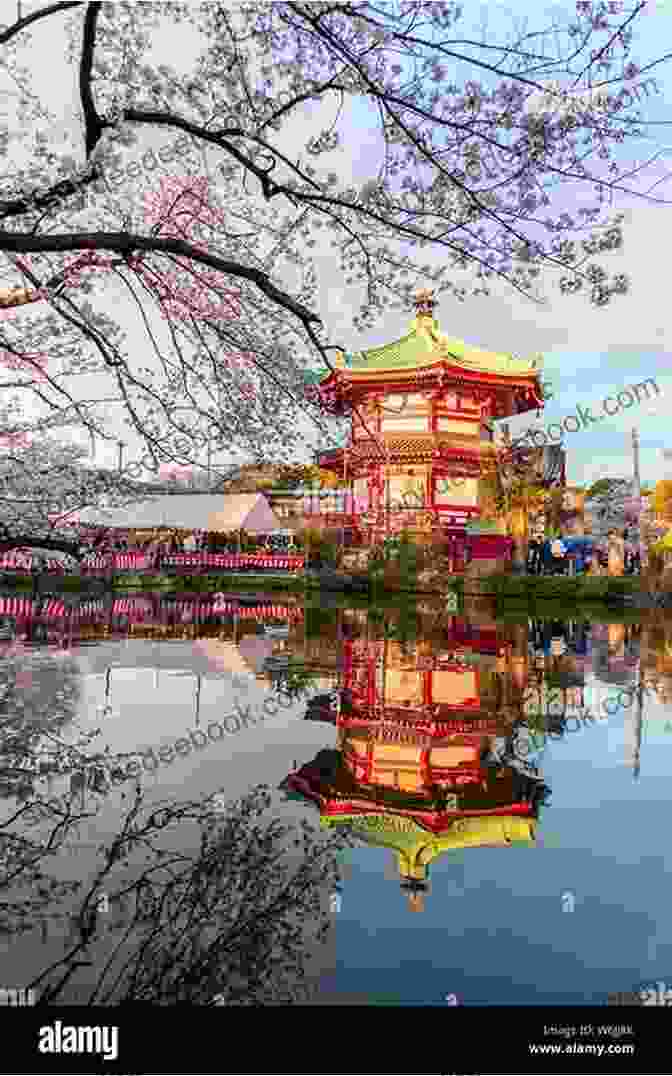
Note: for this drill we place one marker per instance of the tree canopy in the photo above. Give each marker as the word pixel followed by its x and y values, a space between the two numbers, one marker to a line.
pixel 45 484
pixel 461 167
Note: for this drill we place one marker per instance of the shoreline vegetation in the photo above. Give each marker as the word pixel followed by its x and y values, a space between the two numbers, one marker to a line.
pixel 626 594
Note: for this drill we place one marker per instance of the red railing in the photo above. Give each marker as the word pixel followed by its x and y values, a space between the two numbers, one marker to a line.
pixel 17 561
pixel 192 562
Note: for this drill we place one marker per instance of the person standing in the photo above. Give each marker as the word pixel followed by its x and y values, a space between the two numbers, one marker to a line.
pixel 156 555
pixel 559 554
pixel 534 556
pixel 615 553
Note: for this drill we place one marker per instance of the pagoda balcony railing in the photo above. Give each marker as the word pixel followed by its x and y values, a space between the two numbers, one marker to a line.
pixel 443 516
pixel 416 721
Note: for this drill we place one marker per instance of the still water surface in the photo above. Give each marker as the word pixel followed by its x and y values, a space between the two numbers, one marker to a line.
pixel 490 863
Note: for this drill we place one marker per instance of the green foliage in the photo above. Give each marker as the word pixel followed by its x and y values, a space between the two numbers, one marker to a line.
pixel 408 555
pixel 602 486
pixel 295 680
pixel 318 620
pixel 319 547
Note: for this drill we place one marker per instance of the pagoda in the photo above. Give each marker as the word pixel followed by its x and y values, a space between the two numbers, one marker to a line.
pixel 419 764
pixel 421 423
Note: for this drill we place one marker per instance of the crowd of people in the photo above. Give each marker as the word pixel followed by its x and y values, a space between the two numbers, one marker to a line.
pixel 553 556
pixel 107 543
pixel 158 547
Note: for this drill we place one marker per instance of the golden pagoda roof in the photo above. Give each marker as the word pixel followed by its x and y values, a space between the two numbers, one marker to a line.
pixel 417 846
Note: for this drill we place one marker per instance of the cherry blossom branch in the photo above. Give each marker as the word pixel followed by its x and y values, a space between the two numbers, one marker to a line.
pixel 127 243
pixel 21 24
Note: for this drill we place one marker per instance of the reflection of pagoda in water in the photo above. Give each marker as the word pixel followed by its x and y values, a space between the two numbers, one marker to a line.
pixel 455 681
pixel 415 767
pixel 421 801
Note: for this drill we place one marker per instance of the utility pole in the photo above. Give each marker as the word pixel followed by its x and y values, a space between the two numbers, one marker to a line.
pixel 637 484
pixel 121 445
pixel 635 461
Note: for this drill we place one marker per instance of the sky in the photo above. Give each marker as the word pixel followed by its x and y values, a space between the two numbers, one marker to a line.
pixel 588 353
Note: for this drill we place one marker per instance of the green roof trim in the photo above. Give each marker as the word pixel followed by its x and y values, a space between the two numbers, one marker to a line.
pixel 425 343
pixel 412 350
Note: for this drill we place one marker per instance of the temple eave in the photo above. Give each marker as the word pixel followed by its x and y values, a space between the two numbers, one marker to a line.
pixel 448 371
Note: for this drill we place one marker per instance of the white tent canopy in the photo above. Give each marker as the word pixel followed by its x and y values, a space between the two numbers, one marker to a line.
pixel 222 512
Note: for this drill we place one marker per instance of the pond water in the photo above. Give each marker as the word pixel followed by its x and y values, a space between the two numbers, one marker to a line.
pixel 504 784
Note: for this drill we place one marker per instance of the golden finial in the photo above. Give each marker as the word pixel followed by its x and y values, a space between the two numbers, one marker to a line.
pixel 424 301
pixel 416 902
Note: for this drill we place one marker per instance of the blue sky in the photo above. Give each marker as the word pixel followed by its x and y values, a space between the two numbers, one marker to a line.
pixel 588 353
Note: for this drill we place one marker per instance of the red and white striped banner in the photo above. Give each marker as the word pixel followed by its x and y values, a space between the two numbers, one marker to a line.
pixel 93 565
pixel 131 562
pixel 233 561
pixel 18 561
pixel 22 608
pixel 54 609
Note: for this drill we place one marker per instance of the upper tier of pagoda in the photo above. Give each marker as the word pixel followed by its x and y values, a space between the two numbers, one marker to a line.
pixel 427 359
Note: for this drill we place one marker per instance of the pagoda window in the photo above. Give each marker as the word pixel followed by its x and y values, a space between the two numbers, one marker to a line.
pixel 404 687
pixel 447 492
pixel 455 755
pixel 454 687
pixel 408 489
pixel 396 403
pixel 406 423
pixel 405 780
pixel 455 425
